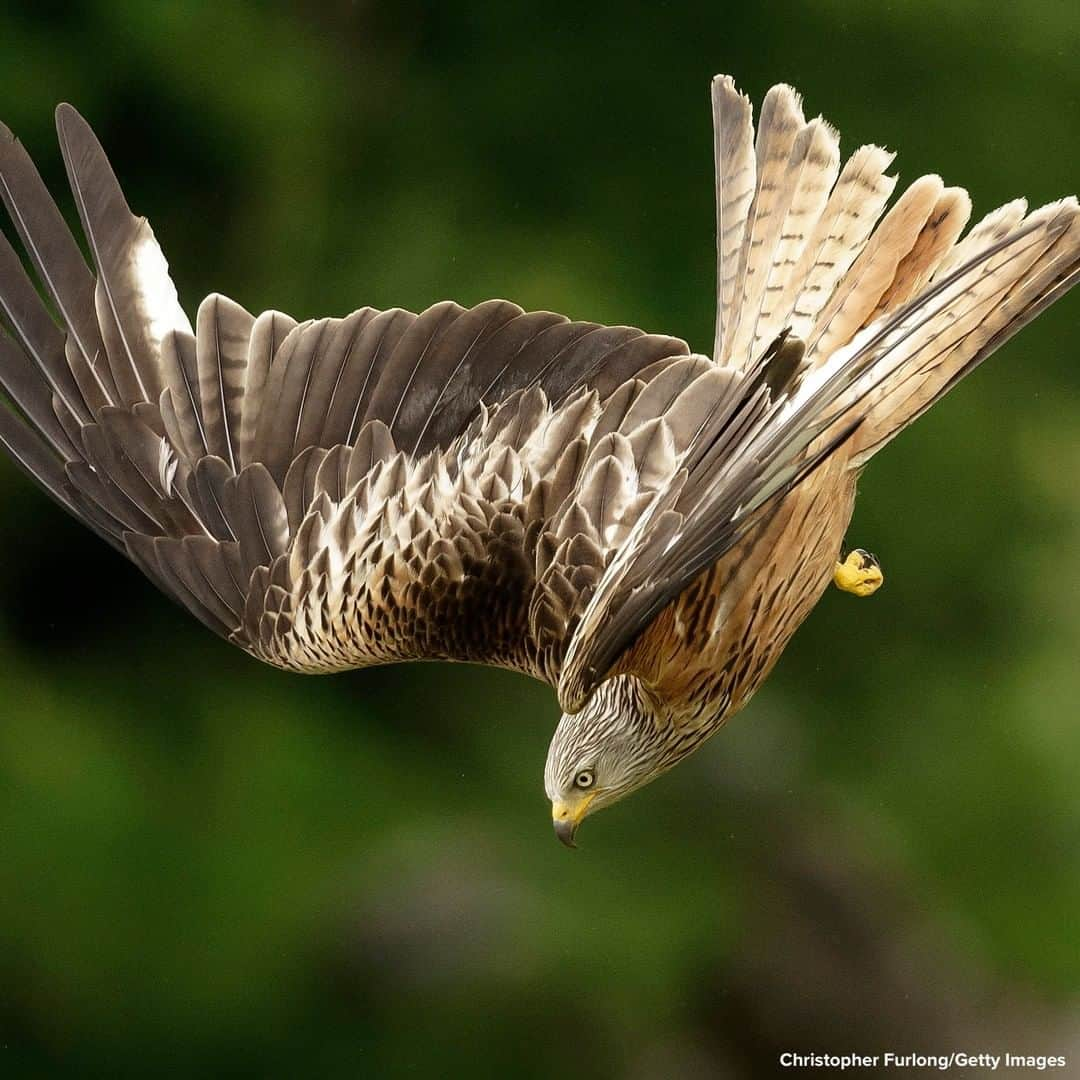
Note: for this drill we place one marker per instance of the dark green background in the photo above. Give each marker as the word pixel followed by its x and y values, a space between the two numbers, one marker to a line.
pixel 210 867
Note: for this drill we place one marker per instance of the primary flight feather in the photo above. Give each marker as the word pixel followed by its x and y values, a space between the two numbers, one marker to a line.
pixel 640 527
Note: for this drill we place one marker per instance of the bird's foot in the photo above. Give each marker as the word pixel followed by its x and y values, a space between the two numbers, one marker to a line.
pixel 859 573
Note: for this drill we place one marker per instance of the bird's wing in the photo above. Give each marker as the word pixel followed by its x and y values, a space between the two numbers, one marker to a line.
pixel 840 335
pixel 486 484
pixel 329 493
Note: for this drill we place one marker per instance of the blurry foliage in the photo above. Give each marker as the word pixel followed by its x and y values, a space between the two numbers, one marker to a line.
pixel 208 865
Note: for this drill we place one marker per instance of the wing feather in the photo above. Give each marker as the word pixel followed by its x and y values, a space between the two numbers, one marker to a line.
pixel 55 256
pixel 135 298
pixel 330 379
pixel 181 400
pixel 486 483
pixel 268 333
pixel 36 333
pixel 222 336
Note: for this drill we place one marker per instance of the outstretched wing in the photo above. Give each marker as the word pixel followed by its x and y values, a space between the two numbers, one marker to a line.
pixel 842 333
pixel 329 493
pixel 488 484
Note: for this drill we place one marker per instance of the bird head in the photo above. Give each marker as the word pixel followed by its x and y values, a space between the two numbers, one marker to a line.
pixel 617 743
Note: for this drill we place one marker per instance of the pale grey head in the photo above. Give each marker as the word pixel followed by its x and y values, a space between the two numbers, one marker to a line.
pixel 623 738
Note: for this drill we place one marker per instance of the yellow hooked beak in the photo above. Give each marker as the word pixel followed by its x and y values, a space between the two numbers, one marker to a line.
pixel 567 816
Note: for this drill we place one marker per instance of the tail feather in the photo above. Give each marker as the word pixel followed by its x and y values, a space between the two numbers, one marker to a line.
pixel 780 124
pixel 813 167
pixel 1010 291
pixel 992 228
pixel 938 235
pixel 858 292
pixel 818 267
pixel 736 172
pixel 841 233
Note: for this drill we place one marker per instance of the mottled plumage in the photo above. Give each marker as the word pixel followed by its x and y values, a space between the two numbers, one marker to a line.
pixel 640 527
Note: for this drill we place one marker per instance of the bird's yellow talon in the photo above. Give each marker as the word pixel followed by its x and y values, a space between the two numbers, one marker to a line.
pixel 859 573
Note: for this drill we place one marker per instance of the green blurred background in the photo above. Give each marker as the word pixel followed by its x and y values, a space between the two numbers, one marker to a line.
pixel 208 867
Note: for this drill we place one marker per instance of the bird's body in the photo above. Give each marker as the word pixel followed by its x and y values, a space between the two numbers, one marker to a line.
pixel 715 645
pixel 400 548
pixel 641 527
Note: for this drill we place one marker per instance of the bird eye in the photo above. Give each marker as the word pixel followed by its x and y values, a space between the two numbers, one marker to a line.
pixel 584 779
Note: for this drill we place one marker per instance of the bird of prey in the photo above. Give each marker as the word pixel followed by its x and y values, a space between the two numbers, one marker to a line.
pixel 639 526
